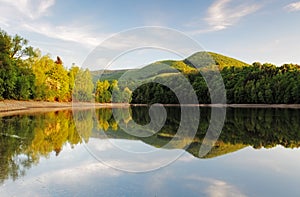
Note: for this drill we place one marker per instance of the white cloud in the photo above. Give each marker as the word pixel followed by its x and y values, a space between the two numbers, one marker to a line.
pixel 221 15
pixel 71 41
pixel 220 189
pixel 215 187
pixel 225 13
pixel 293 7
pixel 117 154
pixel 27 15
pixel 62 181
pixel 79 34
pixel 32 9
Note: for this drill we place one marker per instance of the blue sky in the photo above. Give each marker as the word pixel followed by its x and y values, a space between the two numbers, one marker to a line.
pixel 265 31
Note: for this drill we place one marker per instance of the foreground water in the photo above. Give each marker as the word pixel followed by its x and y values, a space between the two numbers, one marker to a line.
pixel 86 153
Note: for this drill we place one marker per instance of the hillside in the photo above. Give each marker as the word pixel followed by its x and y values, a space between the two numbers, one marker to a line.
pixel 185 66
pixel 224 61
pixel 244 84
pixel 204 59
pixel 107 74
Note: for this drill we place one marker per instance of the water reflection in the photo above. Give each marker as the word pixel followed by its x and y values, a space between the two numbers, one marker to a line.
pixel 25 139
pixel 256 127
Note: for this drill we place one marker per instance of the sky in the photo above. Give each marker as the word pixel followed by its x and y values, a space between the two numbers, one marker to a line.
pixel 252 30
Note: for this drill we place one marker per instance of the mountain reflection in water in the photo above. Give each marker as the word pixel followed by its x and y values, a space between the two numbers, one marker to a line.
pixel 25 139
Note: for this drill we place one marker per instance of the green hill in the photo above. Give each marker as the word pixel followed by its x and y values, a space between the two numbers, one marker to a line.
pixel 224 61
pixel 155 69
pixel 204 59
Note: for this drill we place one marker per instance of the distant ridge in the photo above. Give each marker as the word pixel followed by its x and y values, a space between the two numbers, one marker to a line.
pixel 186 66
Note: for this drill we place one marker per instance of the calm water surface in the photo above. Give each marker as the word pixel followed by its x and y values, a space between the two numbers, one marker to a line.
pixel 85 153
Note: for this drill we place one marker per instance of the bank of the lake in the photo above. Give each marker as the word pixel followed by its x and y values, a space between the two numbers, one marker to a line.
pixel 290 106
pixel 14 107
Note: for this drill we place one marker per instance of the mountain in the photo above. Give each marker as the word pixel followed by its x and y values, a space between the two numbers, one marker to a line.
pixel 186 66
pixel 204 59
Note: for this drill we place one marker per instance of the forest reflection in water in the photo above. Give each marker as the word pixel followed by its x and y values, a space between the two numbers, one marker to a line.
pixel 25 139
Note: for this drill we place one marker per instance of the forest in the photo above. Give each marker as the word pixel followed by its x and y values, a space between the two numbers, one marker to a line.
pixel 251 84
pixel 26 74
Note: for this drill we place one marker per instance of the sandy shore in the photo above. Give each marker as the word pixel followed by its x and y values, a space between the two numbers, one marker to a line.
pixel 12 107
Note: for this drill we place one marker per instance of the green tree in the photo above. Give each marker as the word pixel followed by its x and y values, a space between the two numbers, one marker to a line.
pixel 103 95
pixel 16 77
pixel 58 83
pixel 81 85
pixel 51 80
pixel 41 68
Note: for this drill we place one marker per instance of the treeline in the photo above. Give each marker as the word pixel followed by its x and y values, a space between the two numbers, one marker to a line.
pixel 263 83
pixel 256 83
pixel 26 74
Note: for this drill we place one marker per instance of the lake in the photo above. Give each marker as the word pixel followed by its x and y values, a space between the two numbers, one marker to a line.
pixel 112 152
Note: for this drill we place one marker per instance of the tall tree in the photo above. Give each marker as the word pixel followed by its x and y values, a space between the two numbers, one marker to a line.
pixel 15 76
pixel 102 94
pixel 81 84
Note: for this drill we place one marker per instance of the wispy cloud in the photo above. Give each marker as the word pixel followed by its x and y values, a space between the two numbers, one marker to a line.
pixel 293 7
pixel 215 187
pixel 76 33
pixel 32 9
pixel 222 15
pixel 225 13
pixel 27 15
pixel 69 40
pixel 221 188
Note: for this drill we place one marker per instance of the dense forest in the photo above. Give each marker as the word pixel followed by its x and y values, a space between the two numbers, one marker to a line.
pixel 256 83
pixel 25 74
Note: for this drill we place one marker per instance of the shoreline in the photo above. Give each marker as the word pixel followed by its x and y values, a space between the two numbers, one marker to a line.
pixel 288 106
pixel 13 107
